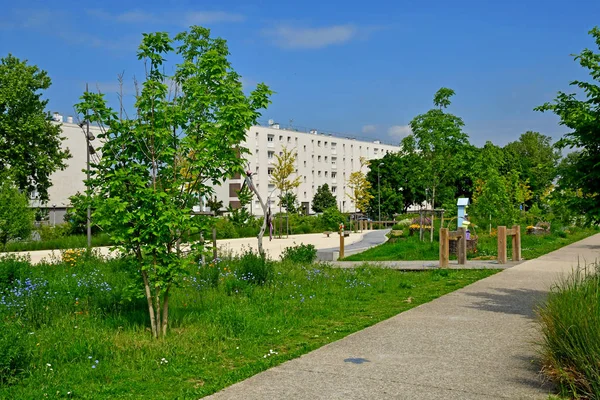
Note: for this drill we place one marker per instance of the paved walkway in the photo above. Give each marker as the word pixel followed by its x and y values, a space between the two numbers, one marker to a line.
pixel 425 265
pixel 274 247
pixel 369 239
pixel 475 343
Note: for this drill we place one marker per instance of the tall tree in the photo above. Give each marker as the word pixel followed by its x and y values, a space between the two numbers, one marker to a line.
pixel 536 159
pixel 583 118
pixel 30 144
pixel 323 199
pixel 145 196
pixel 359 187
pixel 282 176
pixel 438 137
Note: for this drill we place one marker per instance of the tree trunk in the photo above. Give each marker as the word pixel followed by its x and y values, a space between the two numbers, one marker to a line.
pixel 432 214
pixel 150 304
pixel 165 312
pixel 157 310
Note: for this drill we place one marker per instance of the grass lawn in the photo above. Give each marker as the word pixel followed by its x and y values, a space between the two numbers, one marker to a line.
pixel 79 327
pixel 410 248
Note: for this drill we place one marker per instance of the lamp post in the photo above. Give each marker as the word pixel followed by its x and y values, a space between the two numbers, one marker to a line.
pixel 379 191
pixel 53 214
pixel 89 151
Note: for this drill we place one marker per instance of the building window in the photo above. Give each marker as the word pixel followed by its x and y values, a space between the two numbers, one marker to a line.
pixel 256 151
pixel 270 171
pixel 319 158
pixel 333 160
pixel 325 144
pixel 304 178
pixel 289 140
pixel 333 189
pixel 305 163
pixel 319 174
pixel 326 174
pixel 333 145
pixel 256 170
pixel 304 147
pixel 270 138
pixel 280 138
pixel 325 158
pixel 333 174
pixel 376 151
pixel 319 143
pixel 304 194
pixel 296 140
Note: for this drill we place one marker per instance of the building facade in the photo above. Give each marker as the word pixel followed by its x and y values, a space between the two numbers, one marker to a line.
pixel 71 180
pixel 321 158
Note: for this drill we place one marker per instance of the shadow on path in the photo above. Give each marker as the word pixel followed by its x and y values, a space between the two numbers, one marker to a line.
pixel 509 301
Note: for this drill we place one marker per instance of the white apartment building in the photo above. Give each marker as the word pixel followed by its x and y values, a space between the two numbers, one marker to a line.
pixel 321 158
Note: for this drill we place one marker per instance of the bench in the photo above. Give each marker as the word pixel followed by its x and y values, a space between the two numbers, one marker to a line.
pixel 327 233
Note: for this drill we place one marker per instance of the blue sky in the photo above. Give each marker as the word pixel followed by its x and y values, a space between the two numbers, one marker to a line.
pixel 353 67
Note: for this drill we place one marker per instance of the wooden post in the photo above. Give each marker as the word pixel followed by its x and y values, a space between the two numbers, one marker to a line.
pixel 341 245
pixel 371 225
pixel 516 243
pixel 421 225
pixel 502 245
pixel 461 246
pixel 444 248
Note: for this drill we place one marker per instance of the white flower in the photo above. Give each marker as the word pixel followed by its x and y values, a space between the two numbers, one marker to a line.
pixel 48 365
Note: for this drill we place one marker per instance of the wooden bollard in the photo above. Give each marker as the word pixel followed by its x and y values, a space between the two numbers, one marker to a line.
pixel 516 243
pixel 341 244
pixel 502 245
pixel 444 248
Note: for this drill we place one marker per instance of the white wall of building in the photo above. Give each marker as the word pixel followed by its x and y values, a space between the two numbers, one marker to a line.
pixel 321 158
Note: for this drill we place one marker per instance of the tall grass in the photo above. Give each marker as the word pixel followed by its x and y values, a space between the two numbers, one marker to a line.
pixel 80 326
pixel 65 242
pixel 570 321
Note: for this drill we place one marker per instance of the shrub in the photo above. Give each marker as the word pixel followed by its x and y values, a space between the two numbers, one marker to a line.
pixel 225 229
pixel 302 253
pixel 332 218
pixel 15 354
pixel 253 268
pixel 570 321
pixel 49 232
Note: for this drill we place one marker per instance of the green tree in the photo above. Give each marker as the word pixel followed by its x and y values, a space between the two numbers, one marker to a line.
pixel 30 144
pixel 145 196
pixel 282 177
pixel 438 138
pixel 240 215
pixel 359 186
pixel 16 217
pixel 289 202
pixel 214 205
pixel 76 215
pixel 536 159
pixel 323 199
pixel 583 118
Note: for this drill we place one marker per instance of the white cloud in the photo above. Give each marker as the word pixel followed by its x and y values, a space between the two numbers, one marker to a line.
pixel 369 128
pixel 291 37
pixel 399 131
pixel 184 19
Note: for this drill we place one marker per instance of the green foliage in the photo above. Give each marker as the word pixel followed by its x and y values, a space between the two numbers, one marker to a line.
pixel 332 218
pixel 323 199
pixel 16 355
pixel 156 165
pixel 240 216
pixel 438 138
pixel 16 218
pixel 60 241
pixel 302 253
pixel 289 201
pixel 570 321
pixel 30 150
pixel 76 215
pixel 582 117
pixel 254 268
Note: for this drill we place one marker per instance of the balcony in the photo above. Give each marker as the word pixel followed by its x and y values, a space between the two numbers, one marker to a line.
pixel 271 144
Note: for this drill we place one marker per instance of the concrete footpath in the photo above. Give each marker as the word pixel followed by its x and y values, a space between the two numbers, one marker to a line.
pixel 274 248
pixel 475 343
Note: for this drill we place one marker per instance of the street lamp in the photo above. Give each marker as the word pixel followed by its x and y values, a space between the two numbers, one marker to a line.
pixel 89 151
pixel 379 190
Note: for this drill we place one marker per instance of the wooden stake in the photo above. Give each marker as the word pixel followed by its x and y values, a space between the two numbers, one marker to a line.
pixel 444 248
pixel 502 245
pixel 516 243
pixel 341 245
pixel 461 246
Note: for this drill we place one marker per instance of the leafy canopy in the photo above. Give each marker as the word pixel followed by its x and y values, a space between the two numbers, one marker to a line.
pixel 583 118
pixel 186 134
pixel 30 144
pixel 323 199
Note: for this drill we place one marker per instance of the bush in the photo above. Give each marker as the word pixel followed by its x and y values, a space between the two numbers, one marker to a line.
pixel 225 229
pixel 253 268
pixel 303 253
pixel 332 218
pixel 15 354
pixel 570 321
